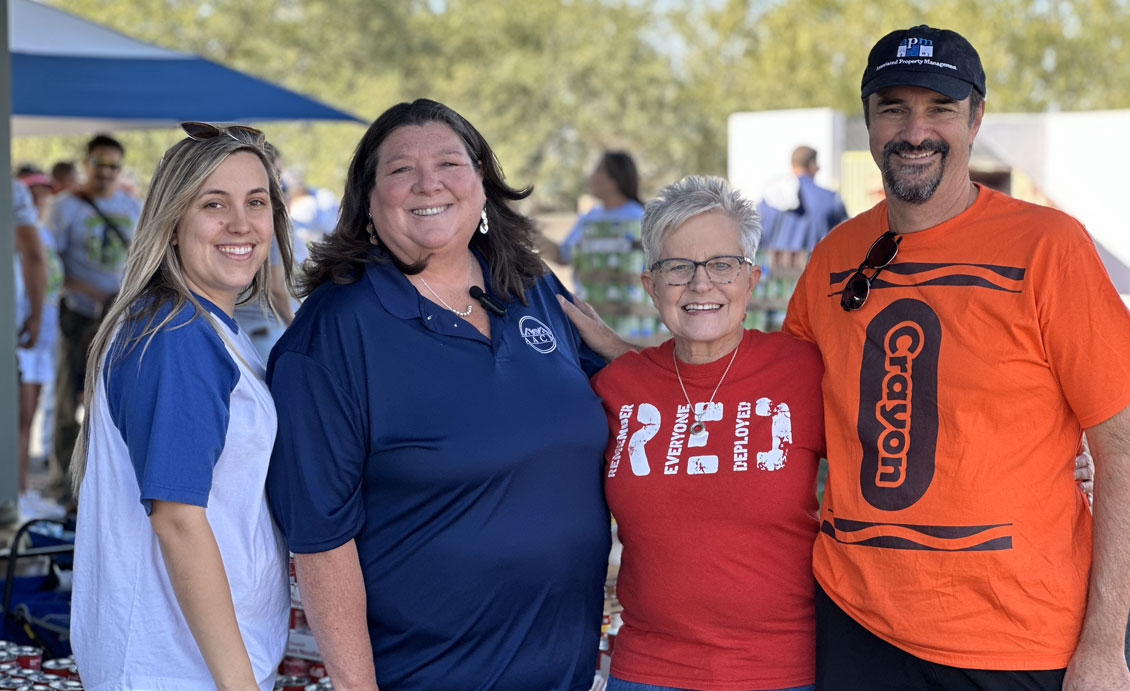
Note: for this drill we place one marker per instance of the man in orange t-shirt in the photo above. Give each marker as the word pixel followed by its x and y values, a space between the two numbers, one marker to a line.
pixel 964 357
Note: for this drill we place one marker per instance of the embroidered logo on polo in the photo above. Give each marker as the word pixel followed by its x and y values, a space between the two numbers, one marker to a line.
pixel 897 424
pixel 767 449
pixel 1008 279
pixel 916 48
pixel 537 335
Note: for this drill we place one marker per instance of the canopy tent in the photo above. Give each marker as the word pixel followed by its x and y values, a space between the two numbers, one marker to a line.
pixel 70 75
pixel 60 74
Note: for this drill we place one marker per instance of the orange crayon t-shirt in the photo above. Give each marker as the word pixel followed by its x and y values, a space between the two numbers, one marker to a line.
pixel 954 399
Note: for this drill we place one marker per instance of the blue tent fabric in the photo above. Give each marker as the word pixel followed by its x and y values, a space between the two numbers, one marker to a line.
pixel 70 75
pixel 162 89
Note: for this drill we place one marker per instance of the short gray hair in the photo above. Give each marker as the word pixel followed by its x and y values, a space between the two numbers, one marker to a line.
pixel 694 195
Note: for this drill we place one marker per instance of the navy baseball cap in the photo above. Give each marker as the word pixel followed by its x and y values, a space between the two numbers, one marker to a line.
pixel 935 59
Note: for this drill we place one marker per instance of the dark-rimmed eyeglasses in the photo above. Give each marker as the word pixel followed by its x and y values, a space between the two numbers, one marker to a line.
pixel 882 252
pixel 203 131
pixel 676 271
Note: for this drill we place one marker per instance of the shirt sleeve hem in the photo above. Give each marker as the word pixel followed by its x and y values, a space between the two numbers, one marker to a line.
pixel 1105 413
pixel 323 545
pixel 179 495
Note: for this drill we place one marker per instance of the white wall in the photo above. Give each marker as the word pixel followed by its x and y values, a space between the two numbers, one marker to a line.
pixel 760 146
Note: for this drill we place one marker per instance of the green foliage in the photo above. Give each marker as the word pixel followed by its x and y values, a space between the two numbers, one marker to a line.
pixel 551 83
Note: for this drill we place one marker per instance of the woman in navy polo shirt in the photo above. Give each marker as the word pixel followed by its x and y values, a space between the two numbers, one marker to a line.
pixel 180 575
pixel 438 466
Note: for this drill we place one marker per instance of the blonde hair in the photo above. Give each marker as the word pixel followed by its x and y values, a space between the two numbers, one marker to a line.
pixel 154 276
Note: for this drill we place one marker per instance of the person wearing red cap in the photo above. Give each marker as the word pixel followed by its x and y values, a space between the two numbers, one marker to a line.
pixel 969 339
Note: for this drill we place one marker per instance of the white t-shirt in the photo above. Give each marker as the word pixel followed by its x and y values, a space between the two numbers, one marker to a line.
pixel 189 421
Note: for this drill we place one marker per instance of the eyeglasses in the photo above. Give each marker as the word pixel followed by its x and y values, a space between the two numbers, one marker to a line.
pixel 878 257
pixel 203 131
pixel 99 163
pixel 677 271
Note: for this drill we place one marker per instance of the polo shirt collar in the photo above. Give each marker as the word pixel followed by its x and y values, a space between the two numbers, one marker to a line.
pixel 396 293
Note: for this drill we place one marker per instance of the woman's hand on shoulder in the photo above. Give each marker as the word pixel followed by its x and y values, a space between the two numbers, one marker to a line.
pixel 596 334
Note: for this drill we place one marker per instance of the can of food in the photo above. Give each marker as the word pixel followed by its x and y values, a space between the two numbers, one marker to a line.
pixel 37 677
pixel 298 619
pixel 290 682
pixel 10 683
pixel 28 656
pixel 67 685
pixel 59 667
pixel 8 668
pixel 317 670
pixel 294 667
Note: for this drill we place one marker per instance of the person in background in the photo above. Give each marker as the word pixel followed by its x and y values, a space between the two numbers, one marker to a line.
pixel 64 176
pixel 92 225
pixel 798 214
pixel 710 469
pixel 262 324
pixel 616 185
pixel 437 471
pixel 968 339
pixel 37 362
pixel 180 577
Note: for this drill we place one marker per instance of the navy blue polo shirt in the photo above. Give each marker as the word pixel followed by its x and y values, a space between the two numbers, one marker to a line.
pixel 467 470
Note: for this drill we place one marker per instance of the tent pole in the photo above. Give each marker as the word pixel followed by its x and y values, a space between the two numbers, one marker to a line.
pixel 9 411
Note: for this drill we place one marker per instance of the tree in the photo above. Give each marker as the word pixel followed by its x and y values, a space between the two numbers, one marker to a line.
pixel 551 83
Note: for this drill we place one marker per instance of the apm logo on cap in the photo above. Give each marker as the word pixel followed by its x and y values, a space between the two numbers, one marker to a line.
pixel 537 335
pixel 916 48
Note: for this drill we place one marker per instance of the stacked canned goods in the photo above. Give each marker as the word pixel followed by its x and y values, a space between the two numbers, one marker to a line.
pixel 292 682
pixel 608 262
pixel 22 668
pixel 780 271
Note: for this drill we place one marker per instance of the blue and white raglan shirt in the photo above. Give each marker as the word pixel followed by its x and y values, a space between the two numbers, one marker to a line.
pixel 187 418
pixel 467 470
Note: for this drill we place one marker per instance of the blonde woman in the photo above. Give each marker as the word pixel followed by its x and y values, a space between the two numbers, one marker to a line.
pixel 180 577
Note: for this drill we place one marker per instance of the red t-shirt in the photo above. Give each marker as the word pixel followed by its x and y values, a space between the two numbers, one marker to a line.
pixel 952 526
pixel 716 573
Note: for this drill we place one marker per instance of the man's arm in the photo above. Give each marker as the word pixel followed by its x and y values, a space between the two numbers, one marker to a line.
pixel 33 263
pixel 1099 663
pixel 333 595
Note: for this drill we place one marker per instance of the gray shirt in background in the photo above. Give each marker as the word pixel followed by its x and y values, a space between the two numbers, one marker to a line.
pixel 88 250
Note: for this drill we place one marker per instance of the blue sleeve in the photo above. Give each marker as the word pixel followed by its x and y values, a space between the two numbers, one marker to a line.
pixel 314 480
pixel 839 213
pixel 169 398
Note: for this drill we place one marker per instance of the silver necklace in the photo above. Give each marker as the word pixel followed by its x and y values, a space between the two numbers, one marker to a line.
pixel 699 426
pixel 464 313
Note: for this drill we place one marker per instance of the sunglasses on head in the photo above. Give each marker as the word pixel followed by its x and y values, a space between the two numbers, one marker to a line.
pixel 203 131
pixel 882 252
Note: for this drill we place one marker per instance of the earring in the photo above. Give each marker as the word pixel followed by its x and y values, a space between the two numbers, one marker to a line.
pixel 484 224
pixel 372 232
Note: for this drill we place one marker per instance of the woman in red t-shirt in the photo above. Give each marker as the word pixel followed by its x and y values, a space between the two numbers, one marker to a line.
pixel 711 465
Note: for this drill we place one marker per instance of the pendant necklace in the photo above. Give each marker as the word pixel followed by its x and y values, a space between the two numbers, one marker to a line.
pixel 464 313
pixel 699 427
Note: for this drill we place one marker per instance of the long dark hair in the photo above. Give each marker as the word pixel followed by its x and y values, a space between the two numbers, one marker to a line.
pixel 508 247
pixel 622 169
